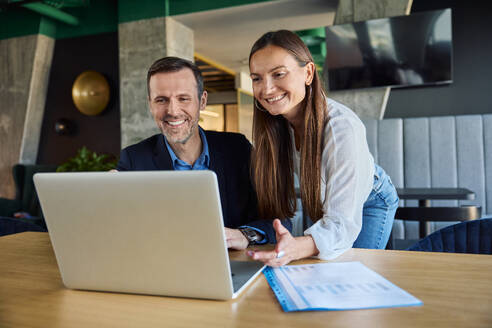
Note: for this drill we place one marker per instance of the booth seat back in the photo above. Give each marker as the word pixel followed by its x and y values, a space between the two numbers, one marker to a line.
pixel 25 190
pixel 445 151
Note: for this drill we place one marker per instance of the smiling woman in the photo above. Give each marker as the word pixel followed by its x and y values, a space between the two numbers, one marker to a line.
pixel 280 89
pixel 297 130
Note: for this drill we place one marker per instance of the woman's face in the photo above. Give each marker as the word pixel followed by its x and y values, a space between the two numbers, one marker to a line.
pixel 279 83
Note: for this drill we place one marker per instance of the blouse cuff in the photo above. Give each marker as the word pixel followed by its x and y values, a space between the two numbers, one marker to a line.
pixel 325 247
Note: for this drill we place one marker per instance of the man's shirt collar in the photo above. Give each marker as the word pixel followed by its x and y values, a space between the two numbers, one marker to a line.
pixel 202 162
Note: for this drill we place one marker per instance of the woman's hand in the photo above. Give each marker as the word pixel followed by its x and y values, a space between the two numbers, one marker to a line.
pixel 235 239
pixel 287 249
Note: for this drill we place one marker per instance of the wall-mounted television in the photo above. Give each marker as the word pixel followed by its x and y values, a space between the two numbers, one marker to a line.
pixel 398 51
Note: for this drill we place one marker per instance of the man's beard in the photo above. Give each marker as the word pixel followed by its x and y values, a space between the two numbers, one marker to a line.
pixel 172 138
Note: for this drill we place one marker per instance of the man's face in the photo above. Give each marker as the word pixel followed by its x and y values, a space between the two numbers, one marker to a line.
pixel 174 104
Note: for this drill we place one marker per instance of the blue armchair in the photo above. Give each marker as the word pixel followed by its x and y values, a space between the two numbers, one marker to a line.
pixel 467 237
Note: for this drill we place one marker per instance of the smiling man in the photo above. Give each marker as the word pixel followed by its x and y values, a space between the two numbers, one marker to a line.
pixel 176 97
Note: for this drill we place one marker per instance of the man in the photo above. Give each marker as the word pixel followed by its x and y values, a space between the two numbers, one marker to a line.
pixel 176 97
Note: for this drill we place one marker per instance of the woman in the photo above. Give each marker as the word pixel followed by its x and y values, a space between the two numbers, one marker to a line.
pixel 296 129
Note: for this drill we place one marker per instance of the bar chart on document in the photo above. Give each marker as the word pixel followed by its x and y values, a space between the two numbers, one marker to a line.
pixel 334 286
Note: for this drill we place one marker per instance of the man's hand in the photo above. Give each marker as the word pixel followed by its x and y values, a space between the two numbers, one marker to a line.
pixel 287 249
pixel 235 239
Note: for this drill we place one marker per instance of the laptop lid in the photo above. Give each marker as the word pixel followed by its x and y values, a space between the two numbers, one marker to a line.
pixel 152 232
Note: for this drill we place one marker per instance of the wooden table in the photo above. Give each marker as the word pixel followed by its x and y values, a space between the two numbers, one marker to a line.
pixel 424 213
pixel 456 290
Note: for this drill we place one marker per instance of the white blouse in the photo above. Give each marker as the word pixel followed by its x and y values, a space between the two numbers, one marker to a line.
pixel 347 175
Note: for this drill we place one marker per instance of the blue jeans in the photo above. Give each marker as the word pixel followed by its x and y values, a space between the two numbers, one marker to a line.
pixel 378 213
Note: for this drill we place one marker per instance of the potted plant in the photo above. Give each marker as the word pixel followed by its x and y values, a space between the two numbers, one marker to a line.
pixel 87 160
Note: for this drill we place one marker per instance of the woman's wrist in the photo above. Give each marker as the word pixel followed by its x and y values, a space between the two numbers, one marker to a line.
pixel 306 247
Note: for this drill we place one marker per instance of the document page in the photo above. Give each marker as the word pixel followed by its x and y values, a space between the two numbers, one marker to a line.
pixel 334 286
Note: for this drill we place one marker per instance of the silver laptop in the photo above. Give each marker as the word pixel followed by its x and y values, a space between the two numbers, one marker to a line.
pixel 152 232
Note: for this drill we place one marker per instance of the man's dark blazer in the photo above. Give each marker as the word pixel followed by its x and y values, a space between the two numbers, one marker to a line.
pixel 229 159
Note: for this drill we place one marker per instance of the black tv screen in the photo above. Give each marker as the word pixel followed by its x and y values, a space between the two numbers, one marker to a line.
pixel 397 51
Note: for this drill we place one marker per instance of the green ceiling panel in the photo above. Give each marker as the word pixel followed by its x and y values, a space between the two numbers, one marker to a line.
pixel 315 41
pixel 18 22
pixel 131 10
pixel 179 7
pixel 102 16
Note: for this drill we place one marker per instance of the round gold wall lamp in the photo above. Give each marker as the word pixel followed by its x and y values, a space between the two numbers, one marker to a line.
pixel 90 93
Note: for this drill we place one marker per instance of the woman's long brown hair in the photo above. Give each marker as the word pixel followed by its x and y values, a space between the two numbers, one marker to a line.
pixel 272 158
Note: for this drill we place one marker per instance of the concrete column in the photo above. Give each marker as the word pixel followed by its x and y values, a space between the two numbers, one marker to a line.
pixel 140 44
pixel 367 103
pixel 25 67
pixel 38 91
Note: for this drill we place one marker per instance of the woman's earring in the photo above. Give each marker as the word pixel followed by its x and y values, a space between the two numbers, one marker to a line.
pixel 259 106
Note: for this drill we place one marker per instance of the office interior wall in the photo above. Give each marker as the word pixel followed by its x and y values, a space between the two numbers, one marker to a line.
pixel 100 133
